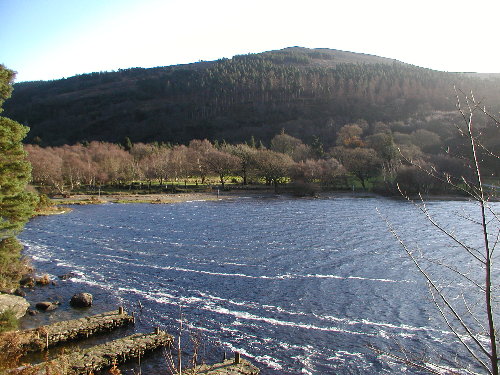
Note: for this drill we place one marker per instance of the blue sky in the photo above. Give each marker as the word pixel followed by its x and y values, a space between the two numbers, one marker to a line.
pixel 51 39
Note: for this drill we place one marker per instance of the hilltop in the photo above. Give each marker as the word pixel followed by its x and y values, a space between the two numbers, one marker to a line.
pixel 308 92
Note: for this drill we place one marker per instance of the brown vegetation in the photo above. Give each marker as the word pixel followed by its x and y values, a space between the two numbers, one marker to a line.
pixel 375 156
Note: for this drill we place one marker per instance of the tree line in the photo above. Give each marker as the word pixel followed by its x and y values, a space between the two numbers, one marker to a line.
pixel 374 156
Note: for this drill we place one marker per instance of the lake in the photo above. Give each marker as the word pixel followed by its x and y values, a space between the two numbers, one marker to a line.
pixel 296 285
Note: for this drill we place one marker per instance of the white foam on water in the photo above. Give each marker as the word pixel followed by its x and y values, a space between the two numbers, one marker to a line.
pixel 269 362
pixel 210 303
pixel 242 275
pixel 253 305
pixel 288 346
pixel 276 322
pixel 232 302
pixel 351 322
pixel 182 269
pixel 85 280
pixel 341 355
pixel 228 329
pixel 62 263
pixel 233 349
pixel 445 370
pixel 320 276
pixel 384 334
pixel 39 258
pixel 266 360
pixel 306 359
pixel 402 327
pixel 239 264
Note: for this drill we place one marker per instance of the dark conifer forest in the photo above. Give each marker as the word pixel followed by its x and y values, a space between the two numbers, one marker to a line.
pixel 310 93
pixel 308 116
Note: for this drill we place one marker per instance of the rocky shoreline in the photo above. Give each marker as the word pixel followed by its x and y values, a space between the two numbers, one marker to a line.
pixel 16 304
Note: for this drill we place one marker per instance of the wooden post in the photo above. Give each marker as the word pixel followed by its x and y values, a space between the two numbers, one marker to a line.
pixel 237 358
pixel 157 330
pixel 120 310
pixel 224 357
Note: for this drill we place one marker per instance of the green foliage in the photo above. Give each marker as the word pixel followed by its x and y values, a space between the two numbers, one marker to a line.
pixel 127 144
pixel 6 77
pixel 363 163
pixel 11 266
pixel 317 148
pixel 8 321
pixel 16 204
pixel 44 202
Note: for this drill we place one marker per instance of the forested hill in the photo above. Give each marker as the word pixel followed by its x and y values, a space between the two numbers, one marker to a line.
pixel 308 92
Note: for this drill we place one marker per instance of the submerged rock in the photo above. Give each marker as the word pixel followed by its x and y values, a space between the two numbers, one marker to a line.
pixel 19 292
pixel 18 305
pixel 81 300
pixel 43 280
pixel 27 281
pixel 67 276
pixel 46 306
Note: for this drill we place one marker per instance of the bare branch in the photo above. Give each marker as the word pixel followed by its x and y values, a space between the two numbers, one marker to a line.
pixel 435 288
pixel 455 270
pixel 411 362
pixel 473 252
pixel 459 337
pixel 472 314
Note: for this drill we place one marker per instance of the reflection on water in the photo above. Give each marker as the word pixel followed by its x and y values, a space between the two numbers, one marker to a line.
pixel 295 285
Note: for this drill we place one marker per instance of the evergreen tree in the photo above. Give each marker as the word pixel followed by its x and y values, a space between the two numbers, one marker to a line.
pixel 16 204
pixel 317 148
pixel 127 144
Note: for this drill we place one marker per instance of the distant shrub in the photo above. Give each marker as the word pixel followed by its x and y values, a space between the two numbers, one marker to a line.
pixel 304 189
pixel 8 321
pixel 44 202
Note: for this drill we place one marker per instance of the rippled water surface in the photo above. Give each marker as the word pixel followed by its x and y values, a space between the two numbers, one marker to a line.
pixel 296 285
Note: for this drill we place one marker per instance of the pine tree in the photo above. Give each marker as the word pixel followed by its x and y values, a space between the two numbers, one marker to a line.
pixel 16 204
pixel 127 144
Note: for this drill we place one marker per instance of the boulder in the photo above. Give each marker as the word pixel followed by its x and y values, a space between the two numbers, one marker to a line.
pixel 27 281
pixel 43 305
pixel 43 280
pixel 46 306
pixel 52 307
pixel 17 304
pixel 19 292
pixel 67 276
pixel 81 300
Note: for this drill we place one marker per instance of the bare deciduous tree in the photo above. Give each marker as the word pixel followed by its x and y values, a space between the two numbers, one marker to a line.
pixel 465 292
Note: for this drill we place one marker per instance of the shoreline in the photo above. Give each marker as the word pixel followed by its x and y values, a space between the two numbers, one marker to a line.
pixel 82 199
pixel 168 198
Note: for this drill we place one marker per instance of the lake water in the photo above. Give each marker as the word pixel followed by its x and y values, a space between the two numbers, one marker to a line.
pixel 296 285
